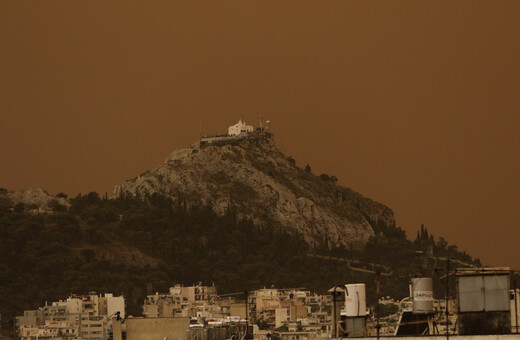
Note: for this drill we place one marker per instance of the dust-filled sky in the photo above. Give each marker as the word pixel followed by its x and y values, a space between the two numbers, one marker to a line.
pixel 415 104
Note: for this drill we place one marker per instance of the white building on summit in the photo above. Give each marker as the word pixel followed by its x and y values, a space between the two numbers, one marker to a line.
pixel 238 128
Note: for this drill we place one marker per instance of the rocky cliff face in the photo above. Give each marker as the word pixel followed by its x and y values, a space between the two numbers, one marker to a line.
pixel 35 197
pixel 252 177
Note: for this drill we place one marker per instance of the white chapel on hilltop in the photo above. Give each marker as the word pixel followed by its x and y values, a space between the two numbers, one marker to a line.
pixel 238 128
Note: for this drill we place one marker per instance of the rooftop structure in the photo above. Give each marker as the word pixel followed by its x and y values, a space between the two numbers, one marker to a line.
pixel 239 128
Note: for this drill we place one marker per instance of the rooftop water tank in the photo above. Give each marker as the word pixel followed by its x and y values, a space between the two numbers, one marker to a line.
pixel 422 295
pixel 355 300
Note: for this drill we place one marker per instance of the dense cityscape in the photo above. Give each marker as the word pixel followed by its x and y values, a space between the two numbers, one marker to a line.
pixel 198 312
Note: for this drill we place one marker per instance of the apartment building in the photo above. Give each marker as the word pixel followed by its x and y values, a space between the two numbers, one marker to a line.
pixel 78 317
pixel 182 301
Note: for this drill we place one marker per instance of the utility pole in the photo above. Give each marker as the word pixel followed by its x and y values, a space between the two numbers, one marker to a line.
pixel 246 293
pixel 447 298
pixel 516 306
pixel 378 284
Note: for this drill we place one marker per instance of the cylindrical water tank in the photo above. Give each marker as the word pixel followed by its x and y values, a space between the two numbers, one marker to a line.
pixel 355 300
pixel 422 295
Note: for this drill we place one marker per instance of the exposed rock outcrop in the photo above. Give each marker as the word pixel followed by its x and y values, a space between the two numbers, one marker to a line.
pixel 252 177
pixel 36 197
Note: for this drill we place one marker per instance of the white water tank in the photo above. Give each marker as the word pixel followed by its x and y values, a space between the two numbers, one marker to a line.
pixel 355 300
pixel 422 295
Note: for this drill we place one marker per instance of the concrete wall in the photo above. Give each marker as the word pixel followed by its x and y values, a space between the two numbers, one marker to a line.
pixel 238 309
pixel 298 312
pixel 453 337
pixel 514 327
pixel 156 328
pixel 117 329
pixel 115 304
pixel 280 317
pixel 220 138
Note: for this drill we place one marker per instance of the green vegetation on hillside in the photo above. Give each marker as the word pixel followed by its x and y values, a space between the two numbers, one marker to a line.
pixel 46 257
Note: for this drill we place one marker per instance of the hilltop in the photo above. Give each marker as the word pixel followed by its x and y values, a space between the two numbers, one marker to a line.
pixel 251 177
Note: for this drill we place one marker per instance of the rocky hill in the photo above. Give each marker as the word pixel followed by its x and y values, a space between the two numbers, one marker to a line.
pixel 251 177
pixel 140 243
pixel 34 198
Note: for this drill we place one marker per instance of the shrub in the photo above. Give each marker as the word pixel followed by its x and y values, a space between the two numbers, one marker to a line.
pixel 19 207
pixel 55 205
pixel 61 195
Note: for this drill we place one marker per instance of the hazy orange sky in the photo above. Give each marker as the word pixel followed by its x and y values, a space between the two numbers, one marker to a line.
pixel 415 104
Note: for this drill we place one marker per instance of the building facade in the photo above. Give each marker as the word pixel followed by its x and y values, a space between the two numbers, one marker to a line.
pixel 239 128
pixel 78 317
